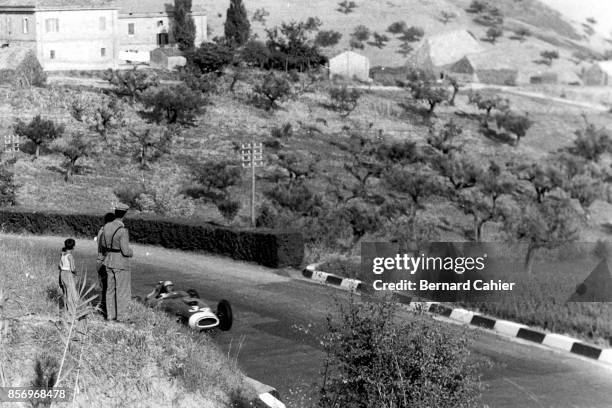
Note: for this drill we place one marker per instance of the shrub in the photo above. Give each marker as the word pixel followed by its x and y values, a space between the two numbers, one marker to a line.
pixel 40 131
pixel 487 101
pixel 213 179
pixel 591 143
pixel 373 360
pixel 149 145
pixel 103 115
pixel 129 194
pixel 163 196
pixel 255 53
pixel 31 72
pixel 73 147
pixel 549 56
pixel 346 7
pixel 131 83
pixel 493 33
pixel 327 38
pixel 8 187
pixel 291 47
pixel 229 209
pixel 210 58
pixel 274 249
pixel 205 83
pixel 397 28
pixel 344 100
pixel 514 123
pixel 172 104
pixel 273 89
pixel 423 88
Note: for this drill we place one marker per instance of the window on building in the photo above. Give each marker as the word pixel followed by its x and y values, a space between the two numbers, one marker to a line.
pixel 26 25
pixel 52 25
pixel 131 28
pixel 52 54
pixel 102 23
pixel 103 52
pixel 162 39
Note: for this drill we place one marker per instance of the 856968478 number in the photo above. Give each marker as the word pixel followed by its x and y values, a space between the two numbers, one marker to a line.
pixel 24 394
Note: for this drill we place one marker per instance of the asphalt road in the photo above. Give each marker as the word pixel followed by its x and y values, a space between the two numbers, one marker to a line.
pixel 278 318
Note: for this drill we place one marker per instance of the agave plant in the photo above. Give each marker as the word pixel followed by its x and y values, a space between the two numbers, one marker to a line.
pixel 73 322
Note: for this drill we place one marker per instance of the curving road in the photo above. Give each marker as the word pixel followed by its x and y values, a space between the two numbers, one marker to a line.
pixel 278 317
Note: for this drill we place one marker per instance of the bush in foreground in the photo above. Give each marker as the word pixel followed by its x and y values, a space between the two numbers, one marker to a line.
pixel 375 361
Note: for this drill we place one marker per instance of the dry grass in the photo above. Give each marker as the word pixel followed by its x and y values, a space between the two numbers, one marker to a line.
pixel 539 300
pixel 151 363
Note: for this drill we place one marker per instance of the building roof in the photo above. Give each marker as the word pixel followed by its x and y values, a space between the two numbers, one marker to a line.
pixel 11 57
pixel 352 55
pixel 59 4
pixel 487 61
pixel 446 48
pixel 605 66
pixel 156 7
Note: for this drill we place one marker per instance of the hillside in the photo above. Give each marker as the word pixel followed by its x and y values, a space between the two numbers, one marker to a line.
pixel 548 26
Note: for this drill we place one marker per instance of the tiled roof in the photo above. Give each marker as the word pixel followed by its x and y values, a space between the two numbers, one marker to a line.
pixel 61 4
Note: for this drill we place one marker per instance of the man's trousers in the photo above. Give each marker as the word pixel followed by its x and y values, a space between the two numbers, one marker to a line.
pixel 118 293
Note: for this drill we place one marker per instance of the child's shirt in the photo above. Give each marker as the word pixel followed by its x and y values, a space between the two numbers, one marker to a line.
pixel 67 262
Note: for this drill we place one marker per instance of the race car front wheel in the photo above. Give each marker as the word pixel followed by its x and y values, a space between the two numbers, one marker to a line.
pixel 224 314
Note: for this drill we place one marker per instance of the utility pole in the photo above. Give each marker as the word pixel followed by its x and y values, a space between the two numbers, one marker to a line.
pixel 252 156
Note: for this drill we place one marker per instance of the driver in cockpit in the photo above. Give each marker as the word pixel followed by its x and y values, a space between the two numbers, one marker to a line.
pixel 162 290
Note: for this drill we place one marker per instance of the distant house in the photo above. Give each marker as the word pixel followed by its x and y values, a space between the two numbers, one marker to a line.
pixel 600 73
pixel 349 64
pixel 439 52
pixel 20 67
pixel 557 76
pixel 91 34
pixel 167 58
pixel 484 69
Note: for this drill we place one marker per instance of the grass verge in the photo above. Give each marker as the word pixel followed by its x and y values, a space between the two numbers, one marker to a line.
pixel 151 362
pixel 541 299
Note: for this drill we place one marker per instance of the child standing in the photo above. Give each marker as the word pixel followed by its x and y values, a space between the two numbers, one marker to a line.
pixel 67 273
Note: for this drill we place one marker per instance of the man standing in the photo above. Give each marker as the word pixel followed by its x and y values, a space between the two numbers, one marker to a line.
pixel 114 251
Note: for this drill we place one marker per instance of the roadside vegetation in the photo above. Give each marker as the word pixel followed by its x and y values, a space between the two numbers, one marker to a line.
pixel 376 359
pixel 151 362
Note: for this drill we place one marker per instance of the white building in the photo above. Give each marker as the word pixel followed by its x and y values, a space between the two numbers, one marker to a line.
pixel 349 64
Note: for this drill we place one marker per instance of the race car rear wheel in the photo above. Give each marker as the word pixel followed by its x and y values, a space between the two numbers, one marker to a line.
pixel 224 313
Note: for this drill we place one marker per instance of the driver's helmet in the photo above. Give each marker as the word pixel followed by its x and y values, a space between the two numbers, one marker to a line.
pixel 167 286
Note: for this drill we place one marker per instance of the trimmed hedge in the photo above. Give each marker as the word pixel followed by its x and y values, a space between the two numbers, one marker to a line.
pixel 270 248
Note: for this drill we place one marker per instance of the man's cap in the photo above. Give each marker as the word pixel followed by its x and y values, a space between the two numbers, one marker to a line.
pixel 121 207
pixel 167 283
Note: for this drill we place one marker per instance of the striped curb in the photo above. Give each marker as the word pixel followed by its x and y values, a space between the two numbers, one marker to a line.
pixel 504 327
pixel 330 279
pixel 267 396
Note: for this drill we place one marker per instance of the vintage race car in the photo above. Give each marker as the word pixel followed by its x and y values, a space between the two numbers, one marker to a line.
pixel 189 308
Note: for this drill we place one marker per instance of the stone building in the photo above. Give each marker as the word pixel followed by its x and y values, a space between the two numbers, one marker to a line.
pixel 350 65
pixel 91 34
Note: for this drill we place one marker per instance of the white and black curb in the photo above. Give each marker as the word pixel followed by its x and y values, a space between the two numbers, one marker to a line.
pixel 505 327
pixel 267 396
pixel 330 279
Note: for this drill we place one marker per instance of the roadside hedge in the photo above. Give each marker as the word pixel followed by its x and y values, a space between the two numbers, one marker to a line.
pixel 270 248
